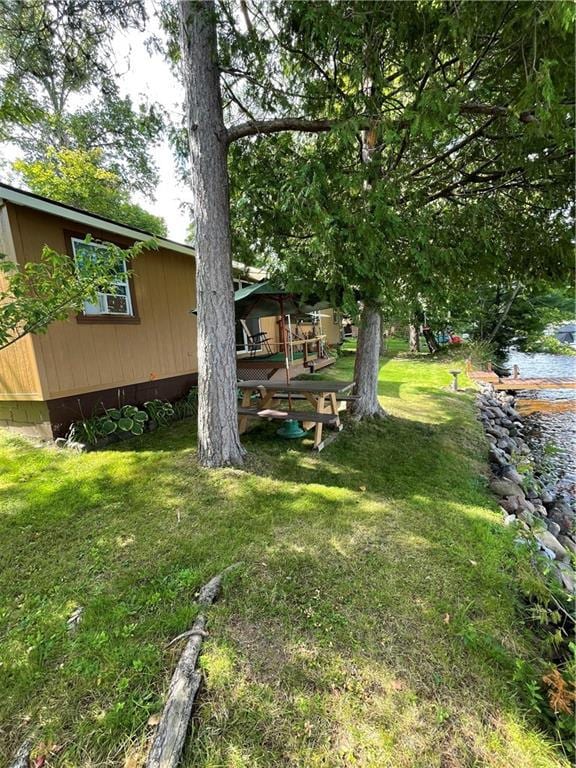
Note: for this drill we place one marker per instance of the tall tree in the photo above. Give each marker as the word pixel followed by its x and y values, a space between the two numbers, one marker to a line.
pixel 77 177
pixel 218 438
pixel 60 88
pixel 463 103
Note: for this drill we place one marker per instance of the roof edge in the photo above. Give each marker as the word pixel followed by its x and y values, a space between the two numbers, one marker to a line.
pixel 44 204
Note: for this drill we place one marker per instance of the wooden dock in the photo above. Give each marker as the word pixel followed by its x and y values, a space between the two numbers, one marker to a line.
pixel 516 382
pixel 513 385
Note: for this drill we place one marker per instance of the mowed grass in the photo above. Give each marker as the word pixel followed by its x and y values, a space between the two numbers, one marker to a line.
pixel 373 620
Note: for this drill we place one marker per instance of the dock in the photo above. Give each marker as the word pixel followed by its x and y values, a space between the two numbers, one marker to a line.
pixel 515 382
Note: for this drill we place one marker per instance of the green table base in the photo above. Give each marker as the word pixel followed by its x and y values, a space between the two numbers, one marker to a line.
pixel 290 430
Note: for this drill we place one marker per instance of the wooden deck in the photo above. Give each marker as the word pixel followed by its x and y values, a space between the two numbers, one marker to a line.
pixel 514 384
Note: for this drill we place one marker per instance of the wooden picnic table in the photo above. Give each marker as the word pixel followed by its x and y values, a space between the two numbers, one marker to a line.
pixel 322 395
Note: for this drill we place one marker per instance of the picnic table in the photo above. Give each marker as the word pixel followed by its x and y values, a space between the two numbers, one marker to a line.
pixel 322 395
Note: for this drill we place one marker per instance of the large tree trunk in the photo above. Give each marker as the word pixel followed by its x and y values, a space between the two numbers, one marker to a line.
pixel 430 339
pixel 383 338
pixel 413 338
pixel 218 437
pixel 367 365
pixel 505 313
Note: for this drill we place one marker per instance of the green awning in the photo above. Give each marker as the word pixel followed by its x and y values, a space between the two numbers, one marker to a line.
pixel 265 299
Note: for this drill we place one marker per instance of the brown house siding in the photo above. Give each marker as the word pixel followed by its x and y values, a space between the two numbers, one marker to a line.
pixel 64 410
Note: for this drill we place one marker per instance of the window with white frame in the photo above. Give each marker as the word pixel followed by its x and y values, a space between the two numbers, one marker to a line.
pixel 252 324
pixel 117 303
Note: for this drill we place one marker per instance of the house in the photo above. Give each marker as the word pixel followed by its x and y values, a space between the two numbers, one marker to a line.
pixel 136 345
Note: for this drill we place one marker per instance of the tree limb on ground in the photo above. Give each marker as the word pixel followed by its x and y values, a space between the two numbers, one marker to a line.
pixel 168 742
pixel 21 758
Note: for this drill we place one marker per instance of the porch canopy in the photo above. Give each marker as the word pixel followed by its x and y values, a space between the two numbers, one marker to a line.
pixel 265 299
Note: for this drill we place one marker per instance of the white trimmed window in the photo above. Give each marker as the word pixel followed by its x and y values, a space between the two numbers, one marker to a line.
pixel 117 303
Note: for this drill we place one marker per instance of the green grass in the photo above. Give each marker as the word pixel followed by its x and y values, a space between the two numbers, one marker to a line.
pixel 373 622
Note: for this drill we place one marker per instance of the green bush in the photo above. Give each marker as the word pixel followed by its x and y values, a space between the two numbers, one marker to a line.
pixel 127 420
pixel 160 411
pixel 549 344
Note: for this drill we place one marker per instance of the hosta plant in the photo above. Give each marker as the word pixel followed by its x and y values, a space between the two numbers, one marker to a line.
pixel 161 412
pixel 129 418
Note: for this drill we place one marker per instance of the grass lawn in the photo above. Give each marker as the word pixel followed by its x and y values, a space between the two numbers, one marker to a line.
pixel 373 622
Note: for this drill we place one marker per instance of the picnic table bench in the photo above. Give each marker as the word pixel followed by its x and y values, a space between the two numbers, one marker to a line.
pixel 323 395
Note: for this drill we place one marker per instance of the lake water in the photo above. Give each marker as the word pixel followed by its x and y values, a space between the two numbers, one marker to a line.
pixel 550 414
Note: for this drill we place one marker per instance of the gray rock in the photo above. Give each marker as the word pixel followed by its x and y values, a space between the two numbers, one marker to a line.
pixel 491 439
pixel 540 510
pixel 502 487
pixel 496 431
pixel 526 517
pixel 527 505
pixel 568 543
pixel 562 507
pixel 510 504
pixel 497 455
pixel 566 524
pixel 549 554
pixel 547 496
pixel 551 543
pixel 506 444
pixel 553 527
pixel 509 519
pixel 564 520
pixel 567 576
pixel 511 473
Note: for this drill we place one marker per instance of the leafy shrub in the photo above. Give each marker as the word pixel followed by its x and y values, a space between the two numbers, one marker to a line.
pixel 186 406
pixel 160 411
pixel 550 345
pixel 128 419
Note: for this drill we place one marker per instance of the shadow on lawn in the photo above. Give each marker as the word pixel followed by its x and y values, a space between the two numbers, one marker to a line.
pixel 339 605
pixel 325 658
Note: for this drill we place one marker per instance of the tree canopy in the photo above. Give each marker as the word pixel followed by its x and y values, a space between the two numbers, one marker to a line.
pixel 60 95
pixel 423 136
pixel 78 178
pixel 443 149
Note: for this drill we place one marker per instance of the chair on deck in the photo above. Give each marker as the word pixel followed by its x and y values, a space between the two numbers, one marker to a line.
pixel 256 341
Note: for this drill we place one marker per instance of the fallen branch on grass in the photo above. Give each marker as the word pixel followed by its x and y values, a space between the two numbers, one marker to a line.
pixel 186 634
pixel 169 738
pixel 21 758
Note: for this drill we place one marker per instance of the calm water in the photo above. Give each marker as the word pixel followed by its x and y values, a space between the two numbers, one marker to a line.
pixel 552 412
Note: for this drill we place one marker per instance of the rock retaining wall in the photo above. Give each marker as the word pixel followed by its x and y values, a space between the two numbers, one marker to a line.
pixel 528 498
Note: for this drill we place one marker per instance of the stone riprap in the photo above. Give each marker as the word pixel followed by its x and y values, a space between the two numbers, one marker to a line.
pixel 528 497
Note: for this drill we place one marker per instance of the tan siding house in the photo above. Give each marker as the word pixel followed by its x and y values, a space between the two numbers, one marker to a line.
pixel 98 358
pixel 134 346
